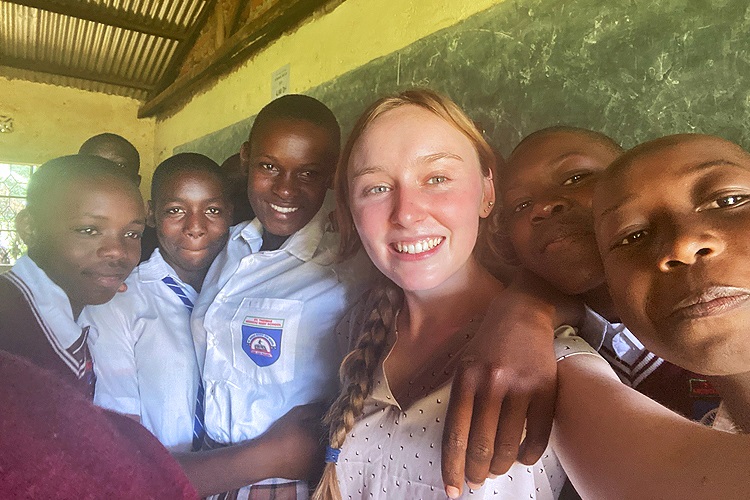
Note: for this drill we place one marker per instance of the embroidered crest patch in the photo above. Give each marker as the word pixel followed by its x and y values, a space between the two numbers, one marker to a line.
pixel 261 339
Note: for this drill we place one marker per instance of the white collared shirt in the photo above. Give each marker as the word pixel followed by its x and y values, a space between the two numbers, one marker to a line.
pixel 52 307
pixel 628 357
pixel 264 324
pixel 144 356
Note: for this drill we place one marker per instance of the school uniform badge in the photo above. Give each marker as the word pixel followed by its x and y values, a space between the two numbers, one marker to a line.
pixel 261 339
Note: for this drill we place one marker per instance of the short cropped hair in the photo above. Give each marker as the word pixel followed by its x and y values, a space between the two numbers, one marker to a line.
pixel 111 142
pixel 183 163
pixel 298 107
pixel 599 137
pixel 59 172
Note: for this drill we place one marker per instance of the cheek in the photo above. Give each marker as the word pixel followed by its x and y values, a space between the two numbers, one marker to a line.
pixel 629 289
pixel 519 234
pixel 315 193
pixel 257 184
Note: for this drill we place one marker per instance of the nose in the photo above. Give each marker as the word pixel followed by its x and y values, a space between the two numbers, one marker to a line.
pixel 112 247
pixel 408 207
pixel 285 186
pixel 195 225
pixel 543 210
pixel 689 245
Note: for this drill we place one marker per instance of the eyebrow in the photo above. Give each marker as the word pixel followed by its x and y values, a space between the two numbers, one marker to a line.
pixel 183 200
pixel 692 169
pixel 423 159
pixel 567 155
pixel 615 207
pixel 103 217
pixel 713 163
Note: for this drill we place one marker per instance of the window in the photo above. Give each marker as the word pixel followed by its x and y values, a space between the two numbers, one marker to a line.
pixel 13 182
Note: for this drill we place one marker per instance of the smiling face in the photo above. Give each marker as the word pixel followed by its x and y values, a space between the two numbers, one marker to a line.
pixel 86 237
pixel 290 164
pixel 547 196
pixel 192 215
pixel 672 227
pixel 417 192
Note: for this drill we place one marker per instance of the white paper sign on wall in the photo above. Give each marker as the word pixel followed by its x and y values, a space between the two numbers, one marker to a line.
pixel 280 82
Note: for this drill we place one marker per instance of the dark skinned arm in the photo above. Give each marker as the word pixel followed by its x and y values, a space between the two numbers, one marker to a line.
pixel 291 448
pixel 506 380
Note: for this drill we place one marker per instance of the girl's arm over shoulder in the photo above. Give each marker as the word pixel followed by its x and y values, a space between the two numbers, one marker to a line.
pixel 506 381
pixel 291 448
pixel 616 443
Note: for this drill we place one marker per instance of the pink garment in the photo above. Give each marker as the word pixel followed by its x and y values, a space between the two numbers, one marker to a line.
pixel 55 444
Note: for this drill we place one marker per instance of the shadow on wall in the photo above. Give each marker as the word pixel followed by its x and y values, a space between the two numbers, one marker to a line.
pixel 634 70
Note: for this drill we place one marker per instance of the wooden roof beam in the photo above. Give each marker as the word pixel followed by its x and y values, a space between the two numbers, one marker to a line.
pixel 248 40
pixel 107 16
pixel 184 47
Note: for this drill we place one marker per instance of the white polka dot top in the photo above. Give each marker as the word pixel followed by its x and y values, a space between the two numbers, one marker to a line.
pixel 394 452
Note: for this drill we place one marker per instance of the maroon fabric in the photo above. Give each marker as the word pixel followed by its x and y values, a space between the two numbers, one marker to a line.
pixel 23 335
pixel 55 444
pixel 671 386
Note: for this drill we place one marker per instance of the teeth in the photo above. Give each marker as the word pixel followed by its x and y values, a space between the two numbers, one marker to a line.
pixel 284 210
pixel 418 247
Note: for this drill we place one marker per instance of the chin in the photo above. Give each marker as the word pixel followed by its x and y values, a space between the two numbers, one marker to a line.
pixel 577 284
pixel 101 298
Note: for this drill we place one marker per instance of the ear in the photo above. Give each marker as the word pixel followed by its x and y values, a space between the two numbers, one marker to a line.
pixel 245 156
pixel 150 218
pixel 25 226
pixel 488 196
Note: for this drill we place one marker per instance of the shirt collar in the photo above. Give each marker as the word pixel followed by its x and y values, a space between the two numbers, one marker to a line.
pixel 596 328
pixel 301 244
pixel 50 300
pixel 155 269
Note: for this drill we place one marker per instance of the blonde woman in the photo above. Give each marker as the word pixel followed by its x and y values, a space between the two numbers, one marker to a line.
pixel 414 182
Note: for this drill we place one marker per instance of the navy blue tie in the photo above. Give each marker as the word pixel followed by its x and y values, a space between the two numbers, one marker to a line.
pixel 199 430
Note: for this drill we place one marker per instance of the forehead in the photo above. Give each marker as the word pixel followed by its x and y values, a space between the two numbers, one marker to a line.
pixel 679 165
pixel 284 130
pixel 410 130
pixel 179 180
pixel 78 191
pixel 118 154
pixel 543 155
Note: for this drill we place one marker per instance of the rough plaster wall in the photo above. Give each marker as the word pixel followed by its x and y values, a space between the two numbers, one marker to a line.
pixel 51 121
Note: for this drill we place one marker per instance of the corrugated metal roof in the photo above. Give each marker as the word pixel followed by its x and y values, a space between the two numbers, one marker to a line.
pixel 123 47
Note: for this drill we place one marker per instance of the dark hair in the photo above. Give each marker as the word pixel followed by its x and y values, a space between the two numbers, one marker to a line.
pixel 298 107
pixel 186 162
pixel 599 137
pixel 59 172
pixel 111 142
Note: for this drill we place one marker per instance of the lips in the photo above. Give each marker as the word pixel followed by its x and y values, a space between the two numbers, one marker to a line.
pixel 710 301
pixel 106 279
pixel 562 233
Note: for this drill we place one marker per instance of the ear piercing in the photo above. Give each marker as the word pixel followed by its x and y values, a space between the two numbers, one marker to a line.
pixel 490 204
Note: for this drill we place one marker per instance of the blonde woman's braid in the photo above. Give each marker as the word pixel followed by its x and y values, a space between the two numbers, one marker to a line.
pixel 357 372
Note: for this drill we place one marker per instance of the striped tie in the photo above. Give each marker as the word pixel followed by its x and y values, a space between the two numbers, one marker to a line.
pixel 80 351
pixel 199 431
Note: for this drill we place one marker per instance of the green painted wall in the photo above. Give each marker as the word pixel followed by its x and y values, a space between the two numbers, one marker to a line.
pixel 634 70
